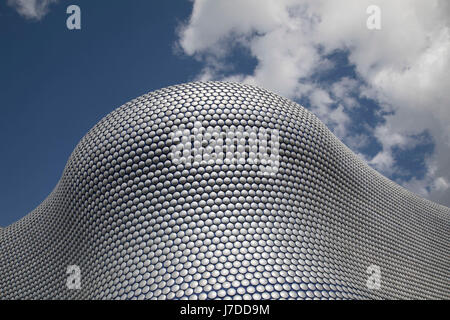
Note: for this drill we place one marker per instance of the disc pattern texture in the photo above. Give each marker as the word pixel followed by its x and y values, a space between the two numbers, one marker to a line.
pixel 139 226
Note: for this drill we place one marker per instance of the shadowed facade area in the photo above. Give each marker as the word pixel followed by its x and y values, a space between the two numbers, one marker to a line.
pixel 139 225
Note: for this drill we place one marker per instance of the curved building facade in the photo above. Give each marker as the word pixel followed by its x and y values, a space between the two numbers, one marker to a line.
pixel 221 190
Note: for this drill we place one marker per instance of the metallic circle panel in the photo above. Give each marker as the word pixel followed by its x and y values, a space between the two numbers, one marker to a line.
pixel 140 225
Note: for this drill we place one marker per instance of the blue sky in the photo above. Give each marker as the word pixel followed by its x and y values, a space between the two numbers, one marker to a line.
pixel 55 83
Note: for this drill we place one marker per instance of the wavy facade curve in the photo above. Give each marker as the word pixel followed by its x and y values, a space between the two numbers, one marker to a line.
pixel 139 224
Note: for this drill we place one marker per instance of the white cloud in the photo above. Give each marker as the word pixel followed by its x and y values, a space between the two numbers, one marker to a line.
pixel 31 9
pixel 383 161
pixel 322 107
pixel 405 66
pixel 344 90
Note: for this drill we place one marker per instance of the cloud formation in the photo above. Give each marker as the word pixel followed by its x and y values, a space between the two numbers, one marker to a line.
pixel 404 68
pixel 31 9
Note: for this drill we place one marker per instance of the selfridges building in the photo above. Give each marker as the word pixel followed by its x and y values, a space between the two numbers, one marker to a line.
pixel 213 190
